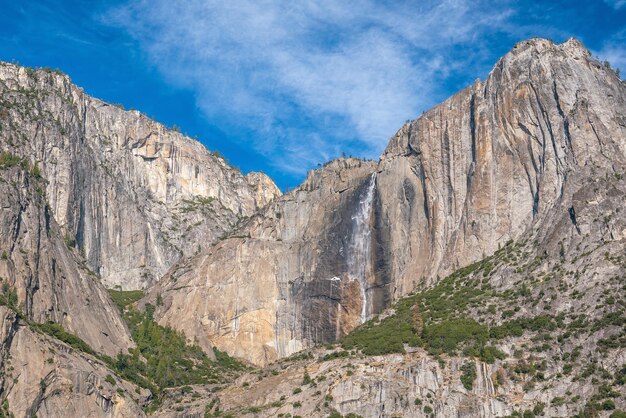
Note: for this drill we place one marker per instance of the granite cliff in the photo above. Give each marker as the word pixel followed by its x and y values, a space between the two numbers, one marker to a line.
pixel 476 269
pixel 500 159
pixel 133 195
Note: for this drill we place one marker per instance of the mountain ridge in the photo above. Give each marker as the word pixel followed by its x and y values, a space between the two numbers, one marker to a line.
pixel 476 269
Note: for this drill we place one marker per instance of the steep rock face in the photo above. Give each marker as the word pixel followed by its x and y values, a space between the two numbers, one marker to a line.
pixel 133 194
pixel 45 378
pixel 496 160
pixel 284 280
pixel 499 157
pixel 49 279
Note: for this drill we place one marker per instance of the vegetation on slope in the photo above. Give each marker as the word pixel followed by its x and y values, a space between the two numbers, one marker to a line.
pixel 439 319
pixel 464 314
pixel 162 355
pixel 124 298
pixel 436 319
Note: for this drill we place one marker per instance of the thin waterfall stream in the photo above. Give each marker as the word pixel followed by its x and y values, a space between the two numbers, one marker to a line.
pixel 359 250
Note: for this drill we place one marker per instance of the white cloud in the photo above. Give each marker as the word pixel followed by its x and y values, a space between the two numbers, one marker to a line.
pixel 616 55
pixel 616 4
pixel 308 78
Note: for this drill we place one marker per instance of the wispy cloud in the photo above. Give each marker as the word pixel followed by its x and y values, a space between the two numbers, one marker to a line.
pixel 614 50
pixel 309 79
pixel 616 4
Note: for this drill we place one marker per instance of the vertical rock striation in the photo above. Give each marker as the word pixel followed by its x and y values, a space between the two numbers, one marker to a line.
pixel 499 157
pixel 47 277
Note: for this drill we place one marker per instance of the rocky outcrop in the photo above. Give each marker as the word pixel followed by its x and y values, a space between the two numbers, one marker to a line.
pixel 46 275
pixel 413 385
pixel 500 158
pixel 134 195
pixel 45 378
pixel 410 385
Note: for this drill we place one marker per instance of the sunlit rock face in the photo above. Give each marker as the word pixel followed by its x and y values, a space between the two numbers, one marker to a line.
pixel 287 278
pixel 498 159
pixel 134 195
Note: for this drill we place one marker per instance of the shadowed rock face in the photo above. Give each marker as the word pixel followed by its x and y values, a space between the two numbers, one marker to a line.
pixel 49 279
pixel 133 194
pixel 500 158
pixel 281 282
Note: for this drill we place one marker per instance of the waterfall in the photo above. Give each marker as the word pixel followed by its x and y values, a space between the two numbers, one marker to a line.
pixel 359 250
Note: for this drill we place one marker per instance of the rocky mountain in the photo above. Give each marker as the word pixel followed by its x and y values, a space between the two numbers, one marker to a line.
pixel 133 195
pixel 41 274
pixel 46 285
pixel 499 160
pixel 476 269
pixel 94 196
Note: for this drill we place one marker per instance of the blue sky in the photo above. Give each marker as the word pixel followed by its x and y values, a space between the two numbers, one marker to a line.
pixel 280 86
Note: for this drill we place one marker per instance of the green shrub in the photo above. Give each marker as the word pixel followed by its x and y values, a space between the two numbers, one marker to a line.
pixel 306 380
pixel 8 160
pixel 8 297
pixel 538 409
pixel 5 410
pixel 69 241
pixel 123 298
pixel 446 336
pixel 489 354
pixel 57 331
pixel 227 362
pixel 36 171
pixel 468 374
pixel 337 354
